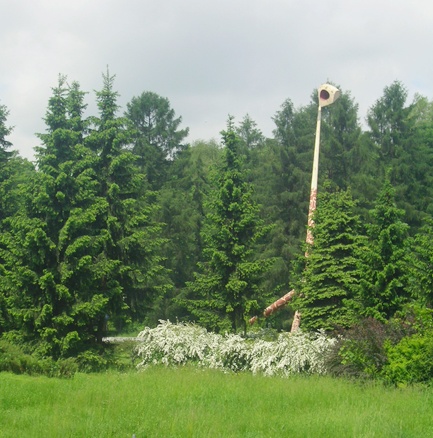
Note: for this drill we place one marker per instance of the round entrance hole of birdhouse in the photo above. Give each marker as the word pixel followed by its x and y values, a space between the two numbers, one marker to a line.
pixel 324 95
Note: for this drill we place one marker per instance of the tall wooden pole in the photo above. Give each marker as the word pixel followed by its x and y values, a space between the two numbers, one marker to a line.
pixel 314 179
pixel 327 94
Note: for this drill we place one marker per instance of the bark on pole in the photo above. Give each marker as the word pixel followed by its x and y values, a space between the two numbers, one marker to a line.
pixel 327 94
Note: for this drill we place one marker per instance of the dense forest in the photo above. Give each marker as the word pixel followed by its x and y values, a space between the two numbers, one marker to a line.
pixel 119 221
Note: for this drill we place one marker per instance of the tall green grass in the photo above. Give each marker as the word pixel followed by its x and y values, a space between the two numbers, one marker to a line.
pixel 187 402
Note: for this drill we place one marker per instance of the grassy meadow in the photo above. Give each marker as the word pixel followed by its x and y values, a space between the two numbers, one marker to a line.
pixel 188 402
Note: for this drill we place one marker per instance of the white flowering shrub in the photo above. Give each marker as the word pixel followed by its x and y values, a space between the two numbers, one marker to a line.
pixel 291 353
pixel 178 344
pixel 174 344
pixel 232 352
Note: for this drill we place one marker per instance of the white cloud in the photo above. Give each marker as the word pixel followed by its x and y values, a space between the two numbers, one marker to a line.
pixel 210 59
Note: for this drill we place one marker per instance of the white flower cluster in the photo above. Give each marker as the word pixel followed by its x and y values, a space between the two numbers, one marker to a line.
pixel 178 344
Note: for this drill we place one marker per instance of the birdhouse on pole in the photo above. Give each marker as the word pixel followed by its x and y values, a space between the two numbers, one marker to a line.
pixel 328 94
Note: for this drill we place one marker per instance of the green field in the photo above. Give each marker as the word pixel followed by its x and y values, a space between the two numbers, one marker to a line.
pixel 188 402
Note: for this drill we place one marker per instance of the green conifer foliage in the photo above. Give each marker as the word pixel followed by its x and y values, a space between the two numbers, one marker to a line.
pixel 129 270
pixel 227 287
pixel 5 130
pixel 401 137
pixel 328 283
pixel 420 263
pixel 157 137
pixel 384 285
pixel 13 172
pixel 182 208
pixel 39 301
pixel 84 247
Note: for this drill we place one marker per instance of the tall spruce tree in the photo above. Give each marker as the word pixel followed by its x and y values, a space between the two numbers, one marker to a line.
pixel 249 135
pixel 328 282
pixel 283 178
pixel 387 120
pixel 294 134
pixel 84 246
pixel 420 264
pixel 227 288
pixel 13 171
pixel 129 271
pixel 414 169
pixel 39 301
pixel 401 136
pixel 384 286
pixel 182 208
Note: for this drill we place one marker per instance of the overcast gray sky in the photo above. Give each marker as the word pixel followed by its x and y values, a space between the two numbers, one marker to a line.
pixel 210 58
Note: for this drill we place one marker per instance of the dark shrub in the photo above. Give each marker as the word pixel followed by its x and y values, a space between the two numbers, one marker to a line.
pixel 361 350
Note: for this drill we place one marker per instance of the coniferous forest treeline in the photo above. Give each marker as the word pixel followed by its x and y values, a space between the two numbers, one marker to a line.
pixel 121 221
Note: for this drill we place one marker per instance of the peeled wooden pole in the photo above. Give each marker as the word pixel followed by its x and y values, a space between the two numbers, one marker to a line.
pixel 281 302
pixel 327 94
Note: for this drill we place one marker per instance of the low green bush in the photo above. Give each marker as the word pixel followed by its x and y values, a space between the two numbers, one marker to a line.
pixel 15 360
pixel 409 361
pixel 92 361
pixel 399 351
pixel 21 359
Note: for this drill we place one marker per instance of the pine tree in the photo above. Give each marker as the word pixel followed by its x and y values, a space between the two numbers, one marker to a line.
pixel 287 162
pixel 13 170
pixel 249 135
pixel 340 137
pixel 182 201
pixel 387 120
